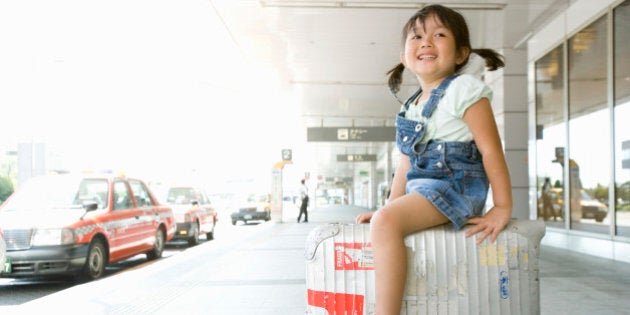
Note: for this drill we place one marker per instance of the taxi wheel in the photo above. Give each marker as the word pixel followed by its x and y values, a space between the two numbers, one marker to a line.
pixel 95 265
pixel 210 235
pixel 194 239
pixel 158 247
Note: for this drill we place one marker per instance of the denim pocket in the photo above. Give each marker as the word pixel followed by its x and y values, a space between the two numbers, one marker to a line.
pixel 405 139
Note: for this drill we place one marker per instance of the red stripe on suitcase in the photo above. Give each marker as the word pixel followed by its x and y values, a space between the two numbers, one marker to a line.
pixel 337 303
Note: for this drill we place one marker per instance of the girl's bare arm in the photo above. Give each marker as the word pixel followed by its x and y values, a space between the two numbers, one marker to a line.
pixel 480 120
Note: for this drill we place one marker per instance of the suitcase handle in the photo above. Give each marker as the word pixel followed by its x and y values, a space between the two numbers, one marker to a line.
pixel 318 235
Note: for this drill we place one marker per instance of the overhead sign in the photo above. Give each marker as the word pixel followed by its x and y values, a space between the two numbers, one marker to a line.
pixel 356 157
pixel 366 134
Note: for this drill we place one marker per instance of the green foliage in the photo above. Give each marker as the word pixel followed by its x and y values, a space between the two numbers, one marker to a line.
pixel 6 188
pixel 600 192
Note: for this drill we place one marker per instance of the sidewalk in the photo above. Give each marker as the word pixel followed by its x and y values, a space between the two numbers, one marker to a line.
pixel 262 271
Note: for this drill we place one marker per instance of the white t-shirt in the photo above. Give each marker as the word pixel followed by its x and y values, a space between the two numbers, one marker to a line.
pixel 464 91
pixel 303 191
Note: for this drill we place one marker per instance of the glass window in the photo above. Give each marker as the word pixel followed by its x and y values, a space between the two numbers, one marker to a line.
pixel 621 114
pixel 94 190
pixel 180 195
pixel 140 191
pixel 58 192
pixel 122 200
pixel 203 199
pixel 551 135
pixel 589 129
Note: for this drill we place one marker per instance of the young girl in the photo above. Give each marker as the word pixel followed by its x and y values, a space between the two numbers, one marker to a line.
pixel 443 131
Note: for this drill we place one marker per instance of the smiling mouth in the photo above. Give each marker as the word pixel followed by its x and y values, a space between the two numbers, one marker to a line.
pixel 427 57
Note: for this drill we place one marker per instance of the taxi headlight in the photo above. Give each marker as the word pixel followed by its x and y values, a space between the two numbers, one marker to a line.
pixel 48 237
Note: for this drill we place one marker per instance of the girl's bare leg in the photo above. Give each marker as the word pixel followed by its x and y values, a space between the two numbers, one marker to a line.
pixel 389 226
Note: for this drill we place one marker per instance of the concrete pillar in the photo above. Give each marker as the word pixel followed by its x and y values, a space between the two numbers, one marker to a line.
pixel 509 104
pixel 374 181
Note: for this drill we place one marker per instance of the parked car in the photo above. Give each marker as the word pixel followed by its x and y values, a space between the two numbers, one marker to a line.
pixel 78 224
pixel 590 208
pixel 256 207
pixel 194 214
pixel 3 247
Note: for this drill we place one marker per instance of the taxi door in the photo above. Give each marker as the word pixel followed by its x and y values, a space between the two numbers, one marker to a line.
pixel 207 213
pixel 127 222
pixel 149 210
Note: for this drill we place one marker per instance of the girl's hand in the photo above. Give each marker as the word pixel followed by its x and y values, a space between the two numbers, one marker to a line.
pixel 491 224
pixel 364 217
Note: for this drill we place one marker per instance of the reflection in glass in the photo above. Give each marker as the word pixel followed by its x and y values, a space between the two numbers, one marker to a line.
pixel 589 129
pixel 621 114
pixel 550 136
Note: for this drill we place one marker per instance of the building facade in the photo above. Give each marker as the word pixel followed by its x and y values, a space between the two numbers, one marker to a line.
pixel 579 135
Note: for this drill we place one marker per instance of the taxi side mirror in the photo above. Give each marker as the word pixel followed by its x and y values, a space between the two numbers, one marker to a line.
pixel 90 206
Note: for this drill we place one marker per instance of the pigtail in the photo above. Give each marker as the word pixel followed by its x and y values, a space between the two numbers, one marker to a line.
pixel 494 60
pixel 395 79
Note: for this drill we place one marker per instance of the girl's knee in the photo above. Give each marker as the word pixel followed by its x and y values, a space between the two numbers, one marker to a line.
pixel 377 221
pixel 384 223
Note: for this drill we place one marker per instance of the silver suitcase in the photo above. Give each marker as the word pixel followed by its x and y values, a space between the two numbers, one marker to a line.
pixel 447 272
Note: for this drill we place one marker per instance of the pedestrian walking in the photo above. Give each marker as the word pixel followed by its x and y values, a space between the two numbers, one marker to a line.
pixel 304 205
pixel 547 207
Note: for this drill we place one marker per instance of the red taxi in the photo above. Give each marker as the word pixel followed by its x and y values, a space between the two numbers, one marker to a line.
pixel 193 213
pixel 78 224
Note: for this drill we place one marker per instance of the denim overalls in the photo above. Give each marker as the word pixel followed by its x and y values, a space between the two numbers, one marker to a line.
pixel 449 174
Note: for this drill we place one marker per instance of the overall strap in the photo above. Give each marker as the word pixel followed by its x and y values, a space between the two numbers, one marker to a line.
pixel 436 96
pixel 412 98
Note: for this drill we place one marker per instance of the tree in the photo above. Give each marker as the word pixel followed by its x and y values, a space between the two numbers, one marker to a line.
pixel 600 193
pixel 6 188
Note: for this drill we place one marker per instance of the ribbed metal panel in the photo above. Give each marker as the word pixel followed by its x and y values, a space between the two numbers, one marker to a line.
pixel 447 272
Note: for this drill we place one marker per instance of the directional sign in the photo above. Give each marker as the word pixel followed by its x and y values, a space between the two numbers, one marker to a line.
pixel 366 134
pixel 356 157
pixel 286 154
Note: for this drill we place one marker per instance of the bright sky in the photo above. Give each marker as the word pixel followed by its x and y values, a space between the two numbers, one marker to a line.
pixel 149 87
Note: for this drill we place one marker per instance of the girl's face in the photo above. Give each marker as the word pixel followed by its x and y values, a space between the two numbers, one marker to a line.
pixel 430 51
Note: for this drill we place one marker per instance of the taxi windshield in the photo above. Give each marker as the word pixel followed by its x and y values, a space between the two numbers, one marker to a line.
pixel 60 191
pixel 180 195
